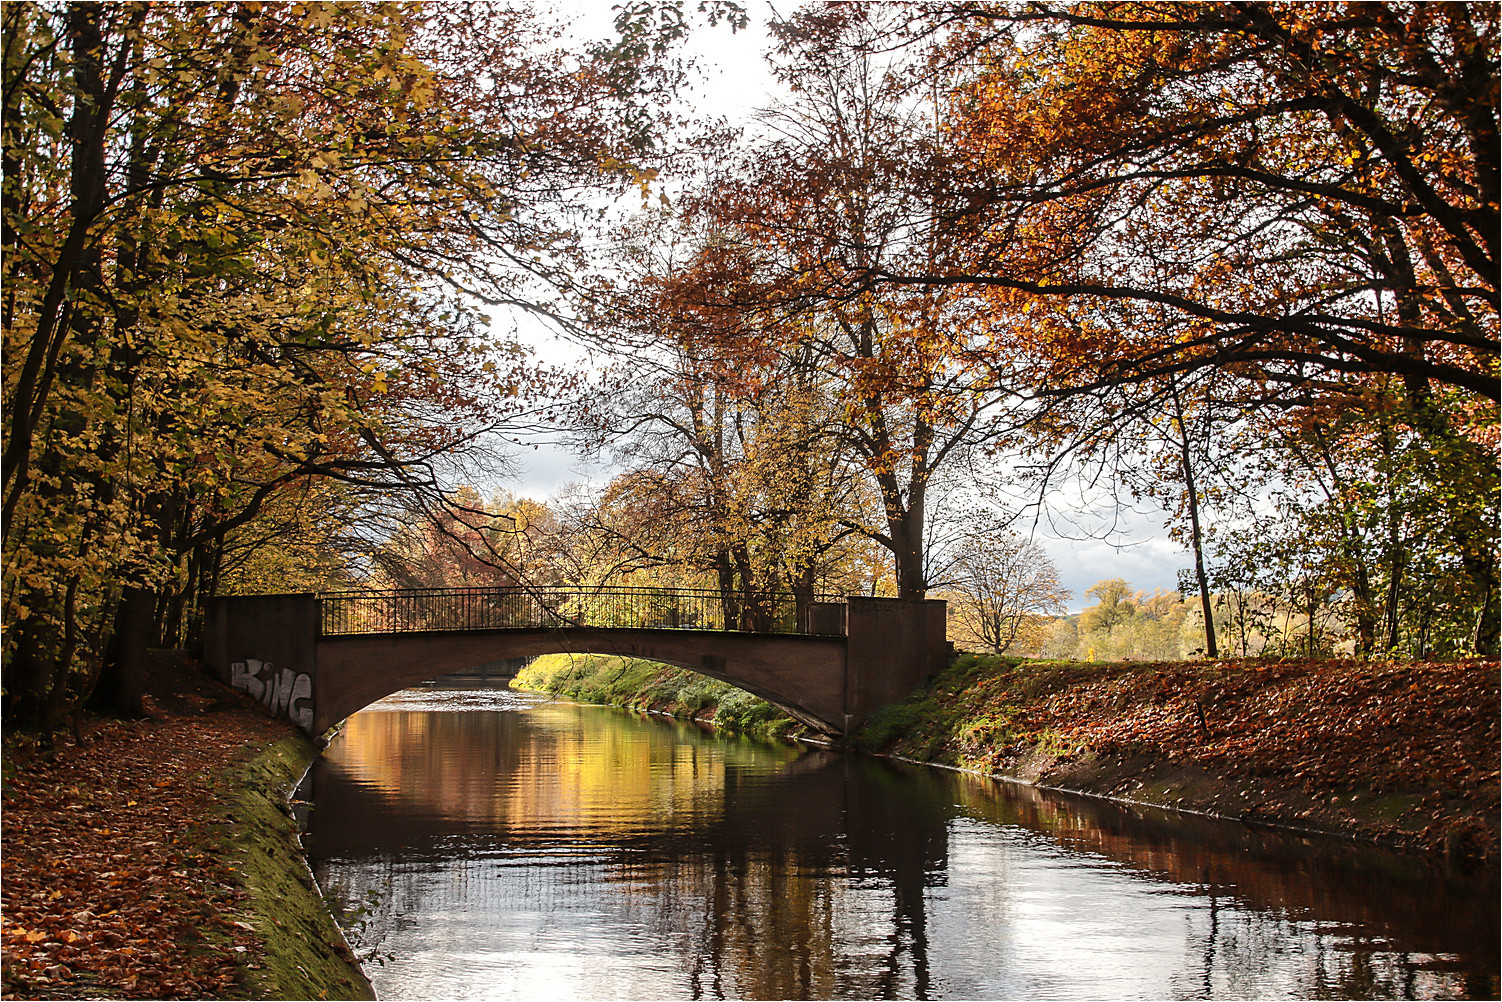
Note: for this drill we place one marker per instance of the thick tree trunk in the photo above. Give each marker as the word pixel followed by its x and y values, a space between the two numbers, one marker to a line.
pixel 905 536
pixel 730 606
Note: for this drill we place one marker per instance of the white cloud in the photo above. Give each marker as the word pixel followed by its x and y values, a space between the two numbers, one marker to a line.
pixel 1147 563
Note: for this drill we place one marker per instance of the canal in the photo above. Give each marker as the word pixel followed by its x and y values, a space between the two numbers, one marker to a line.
pixel 483 844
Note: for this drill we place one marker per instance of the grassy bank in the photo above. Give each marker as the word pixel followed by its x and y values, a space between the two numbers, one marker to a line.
pixel 304 955
pixel 1396 752
pixel 157 858
pixel 654 687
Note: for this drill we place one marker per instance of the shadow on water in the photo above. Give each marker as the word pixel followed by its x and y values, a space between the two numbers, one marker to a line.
pixel 539 849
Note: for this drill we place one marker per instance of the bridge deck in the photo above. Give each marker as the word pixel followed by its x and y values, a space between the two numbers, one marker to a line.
pixel 318 658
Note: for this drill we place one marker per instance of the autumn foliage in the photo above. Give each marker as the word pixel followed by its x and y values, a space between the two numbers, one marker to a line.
pixel 121 869
pixel 1238 259
pixel 248 249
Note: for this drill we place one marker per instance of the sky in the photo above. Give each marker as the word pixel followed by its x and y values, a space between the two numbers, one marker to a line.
pixel 734 82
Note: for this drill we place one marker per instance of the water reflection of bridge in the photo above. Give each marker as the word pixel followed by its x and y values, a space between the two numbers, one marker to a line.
pixel 827 662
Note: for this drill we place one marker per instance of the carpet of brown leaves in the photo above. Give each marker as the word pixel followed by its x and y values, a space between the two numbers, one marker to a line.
pixel 117 874
pixel 1384 726
pixel 1405 752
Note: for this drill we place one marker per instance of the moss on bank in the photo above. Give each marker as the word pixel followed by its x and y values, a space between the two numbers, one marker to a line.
pixel 655 687
pixel 306 956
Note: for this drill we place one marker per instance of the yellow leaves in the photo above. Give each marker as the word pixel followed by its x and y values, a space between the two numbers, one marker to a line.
pixel 377 377
pixel 315 15
pixel 290 104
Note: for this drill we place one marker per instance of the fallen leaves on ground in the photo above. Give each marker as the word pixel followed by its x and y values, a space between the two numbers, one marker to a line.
pixel 1324 729
pixel 118 876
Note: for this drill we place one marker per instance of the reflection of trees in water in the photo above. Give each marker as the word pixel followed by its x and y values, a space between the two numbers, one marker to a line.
pixel 742 924
pixel 808 883
pixel 1329 918
pixel 770 874
pixel 730 888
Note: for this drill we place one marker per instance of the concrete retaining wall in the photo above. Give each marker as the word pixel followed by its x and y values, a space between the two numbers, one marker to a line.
pixel 267 646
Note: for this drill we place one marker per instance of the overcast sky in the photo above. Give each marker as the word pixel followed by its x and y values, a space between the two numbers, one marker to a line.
pixel 734 83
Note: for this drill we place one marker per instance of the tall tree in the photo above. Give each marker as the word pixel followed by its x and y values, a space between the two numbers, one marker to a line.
pixel 242 244
pixel 835 191
pixel 1302 199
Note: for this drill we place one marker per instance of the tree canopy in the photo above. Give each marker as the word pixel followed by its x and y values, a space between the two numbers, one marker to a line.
pixel 1236 259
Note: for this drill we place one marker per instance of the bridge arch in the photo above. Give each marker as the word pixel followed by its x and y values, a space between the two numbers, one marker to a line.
pixel 802 675
pixel 279 649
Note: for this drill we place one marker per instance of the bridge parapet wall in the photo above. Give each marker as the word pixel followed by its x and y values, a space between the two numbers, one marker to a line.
pixel 853 657
pixel 893 645
pixel 267 646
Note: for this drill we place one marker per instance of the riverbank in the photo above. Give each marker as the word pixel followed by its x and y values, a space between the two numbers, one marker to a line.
pixel 652 687
pixel 1398 753
pixel 158 858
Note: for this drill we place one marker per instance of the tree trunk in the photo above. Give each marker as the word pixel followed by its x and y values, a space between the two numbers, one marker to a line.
pixel 1194 526
pixel 730 607
pixel 1484 641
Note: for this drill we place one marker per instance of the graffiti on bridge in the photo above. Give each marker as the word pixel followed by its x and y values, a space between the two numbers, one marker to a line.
pixel 286 692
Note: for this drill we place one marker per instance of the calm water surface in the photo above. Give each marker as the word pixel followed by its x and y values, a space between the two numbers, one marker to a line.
pixel 489 845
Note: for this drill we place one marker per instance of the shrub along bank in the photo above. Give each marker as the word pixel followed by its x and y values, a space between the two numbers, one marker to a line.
pixel 1402 753
pixel 657 688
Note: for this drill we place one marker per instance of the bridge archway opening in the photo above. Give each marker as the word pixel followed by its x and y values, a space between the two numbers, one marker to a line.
pixel 728 676
pixel 794 673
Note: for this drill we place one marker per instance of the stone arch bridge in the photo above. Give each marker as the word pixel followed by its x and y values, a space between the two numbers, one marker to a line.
pixel 317 658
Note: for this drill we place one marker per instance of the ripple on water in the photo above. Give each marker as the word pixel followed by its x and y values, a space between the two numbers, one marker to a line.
pixel 484 843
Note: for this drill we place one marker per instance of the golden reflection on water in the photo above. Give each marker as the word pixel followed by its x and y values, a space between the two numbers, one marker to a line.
pixel 576 852
pixel 564 777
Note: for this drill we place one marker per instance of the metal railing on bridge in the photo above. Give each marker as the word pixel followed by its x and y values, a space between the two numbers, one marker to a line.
pixel 447 609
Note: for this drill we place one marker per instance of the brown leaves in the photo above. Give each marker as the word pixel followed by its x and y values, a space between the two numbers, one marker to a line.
pixel 1328 723
pixel 118 878
pixel 1422 735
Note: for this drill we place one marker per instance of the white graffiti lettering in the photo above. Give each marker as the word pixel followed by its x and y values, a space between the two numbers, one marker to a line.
pixel 279 691
pixel 299 708
pixel 286 692
pixel 245 676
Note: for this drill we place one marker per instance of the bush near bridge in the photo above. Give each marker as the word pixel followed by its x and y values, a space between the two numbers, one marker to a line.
pixel 656 687
pixel 1404 753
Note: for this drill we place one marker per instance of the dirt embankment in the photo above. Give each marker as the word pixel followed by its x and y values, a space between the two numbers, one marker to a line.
pixel 1400 753
pixel 157 858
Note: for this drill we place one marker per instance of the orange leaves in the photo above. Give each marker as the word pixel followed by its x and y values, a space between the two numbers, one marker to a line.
pixel 138 905
pixel 1142 153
